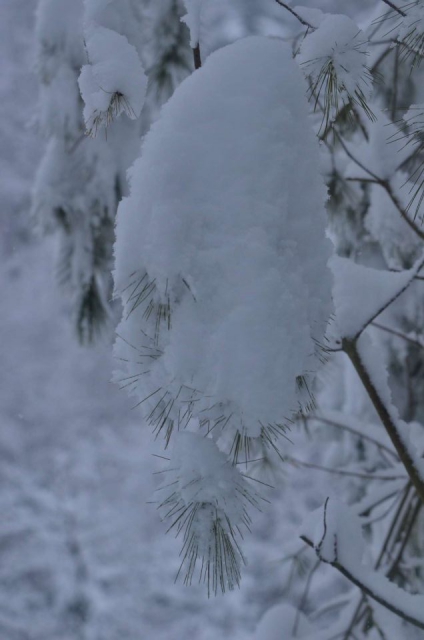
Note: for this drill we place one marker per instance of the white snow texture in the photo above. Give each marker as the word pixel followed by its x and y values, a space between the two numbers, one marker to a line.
pixel 222 242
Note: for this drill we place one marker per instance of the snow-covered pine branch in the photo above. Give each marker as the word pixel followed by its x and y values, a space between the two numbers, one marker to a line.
pixel 225 299
pixel 221 267
pixel 75 189
pixel 166 52
pixel 80 181
pixel 113 80
pixel 334 58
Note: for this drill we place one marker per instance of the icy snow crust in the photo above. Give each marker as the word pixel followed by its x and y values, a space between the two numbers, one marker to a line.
pixel 226 221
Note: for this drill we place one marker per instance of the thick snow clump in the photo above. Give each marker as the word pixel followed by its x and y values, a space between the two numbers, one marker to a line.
pixel 221 254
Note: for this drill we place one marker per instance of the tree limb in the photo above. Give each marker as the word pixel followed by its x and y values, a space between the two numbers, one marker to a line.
pixel 351 349
pixel 388 599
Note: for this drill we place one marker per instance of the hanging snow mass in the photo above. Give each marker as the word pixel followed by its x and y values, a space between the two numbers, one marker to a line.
pixel 221 254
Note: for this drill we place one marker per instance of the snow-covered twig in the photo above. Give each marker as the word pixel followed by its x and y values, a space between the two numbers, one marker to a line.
pixel 296 15
pixel 338 546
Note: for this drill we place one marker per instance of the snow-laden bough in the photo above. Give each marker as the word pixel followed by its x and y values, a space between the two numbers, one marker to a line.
pixel 334 58
pixel 221 253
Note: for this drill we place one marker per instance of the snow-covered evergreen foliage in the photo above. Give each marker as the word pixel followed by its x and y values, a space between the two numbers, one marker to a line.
pixel 103 47
pixel 225 300
pixel 80 181
pixel 166 52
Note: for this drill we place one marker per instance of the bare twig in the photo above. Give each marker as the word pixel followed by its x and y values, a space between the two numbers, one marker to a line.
pixel 342 472
pixel 398 334
pixel 384 599
pixel 296 15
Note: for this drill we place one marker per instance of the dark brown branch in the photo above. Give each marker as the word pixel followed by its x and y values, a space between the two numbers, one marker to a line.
pixel 197 57
pixel 384 601
pixel 296 15
pixel 350 348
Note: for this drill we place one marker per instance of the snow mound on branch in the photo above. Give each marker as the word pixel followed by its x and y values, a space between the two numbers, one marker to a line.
pixel 337 38
pixel 114 81
pixel 221 246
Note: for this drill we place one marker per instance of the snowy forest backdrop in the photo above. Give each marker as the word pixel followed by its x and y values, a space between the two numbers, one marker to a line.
pixel 82 553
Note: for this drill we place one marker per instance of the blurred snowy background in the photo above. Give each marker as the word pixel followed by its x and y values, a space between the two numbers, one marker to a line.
pixel 82 554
